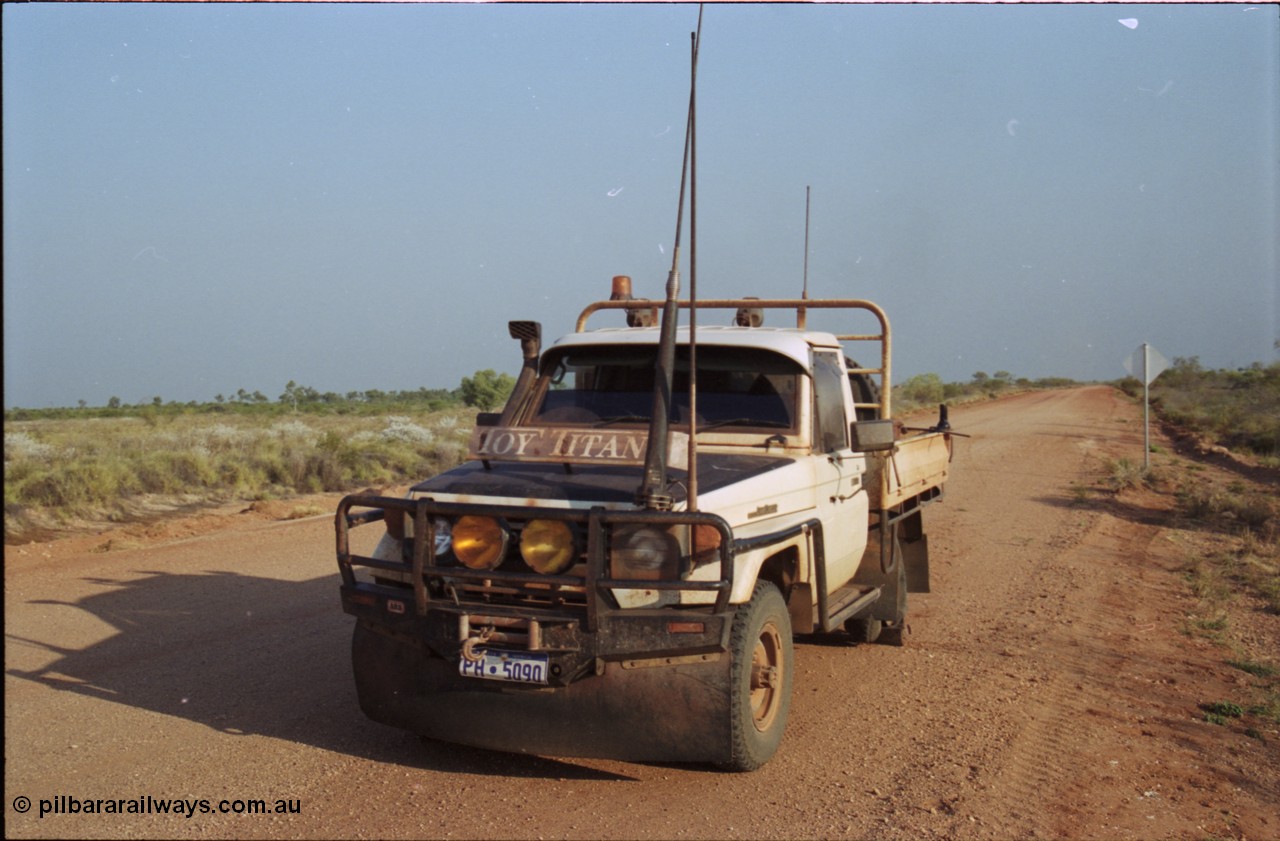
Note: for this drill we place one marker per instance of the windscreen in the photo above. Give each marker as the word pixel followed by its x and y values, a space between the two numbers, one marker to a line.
pixel 606 385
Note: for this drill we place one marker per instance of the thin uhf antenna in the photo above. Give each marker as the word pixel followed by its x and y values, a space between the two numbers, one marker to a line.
pixel 804 293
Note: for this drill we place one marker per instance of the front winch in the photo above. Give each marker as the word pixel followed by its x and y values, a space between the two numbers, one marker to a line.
pixel 526 633
pixel 469 644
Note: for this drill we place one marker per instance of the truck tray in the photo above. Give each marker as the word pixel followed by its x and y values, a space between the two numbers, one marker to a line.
pixel 913 466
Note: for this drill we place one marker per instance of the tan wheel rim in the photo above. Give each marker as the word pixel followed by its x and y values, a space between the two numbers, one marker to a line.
pixel 766 677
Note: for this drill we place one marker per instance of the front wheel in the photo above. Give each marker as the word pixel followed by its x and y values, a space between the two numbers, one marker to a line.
pixel 760 678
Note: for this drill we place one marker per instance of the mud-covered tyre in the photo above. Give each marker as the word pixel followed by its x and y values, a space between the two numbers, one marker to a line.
pixel 863 629
pixel 761 671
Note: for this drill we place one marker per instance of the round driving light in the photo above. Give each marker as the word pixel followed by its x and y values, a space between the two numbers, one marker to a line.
pixel 643 552
pixel 547 546
pixel 479 542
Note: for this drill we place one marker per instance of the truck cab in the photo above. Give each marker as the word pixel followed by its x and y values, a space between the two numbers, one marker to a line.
pixel 533 599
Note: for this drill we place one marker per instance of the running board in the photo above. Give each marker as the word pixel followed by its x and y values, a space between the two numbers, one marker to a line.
pixel 847 602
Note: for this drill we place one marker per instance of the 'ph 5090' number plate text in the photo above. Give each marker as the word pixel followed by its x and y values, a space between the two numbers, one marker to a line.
pixel 513 666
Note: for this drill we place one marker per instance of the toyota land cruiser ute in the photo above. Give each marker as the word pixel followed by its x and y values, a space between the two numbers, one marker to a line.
pixel 555 595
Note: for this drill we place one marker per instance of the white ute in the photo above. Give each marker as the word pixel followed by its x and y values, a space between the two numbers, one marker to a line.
pixel 599 581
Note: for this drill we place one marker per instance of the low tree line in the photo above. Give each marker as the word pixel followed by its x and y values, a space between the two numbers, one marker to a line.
pixel 928 389
pixel 484 390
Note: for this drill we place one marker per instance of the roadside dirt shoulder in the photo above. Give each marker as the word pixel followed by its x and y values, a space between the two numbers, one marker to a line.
pixel 178 525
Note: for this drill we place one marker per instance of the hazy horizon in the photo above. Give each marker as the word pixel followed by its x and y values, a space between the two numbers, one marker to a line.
pixel 202 198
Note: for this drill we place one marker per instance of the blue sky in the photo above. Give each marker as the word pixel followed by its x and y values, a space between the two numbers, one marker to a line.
pixel 200 198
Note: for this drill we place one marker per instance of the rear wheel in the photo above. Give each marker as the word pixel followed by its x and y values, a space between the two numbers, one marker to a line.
pixel 863 629
pixel 760 678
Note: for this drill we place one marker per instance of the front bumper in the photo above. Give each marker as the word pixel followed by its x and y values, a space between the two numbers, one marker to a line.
pixel 631 710
pixel 632 684
pixel 633 638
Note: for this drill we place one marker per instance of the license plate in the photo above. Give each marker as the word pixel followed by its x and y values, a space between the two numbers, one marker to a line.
pixel 513 666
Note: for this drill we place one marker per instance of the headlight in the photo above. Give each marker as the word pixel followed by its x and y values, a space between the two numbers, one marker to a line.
pixel 643 552
pixel 443 535
pixel 547 546
pixel 479 542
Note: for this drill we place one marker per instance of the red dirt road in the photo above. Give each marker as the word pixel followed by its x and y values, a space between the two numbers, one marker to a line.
pixel 1046 689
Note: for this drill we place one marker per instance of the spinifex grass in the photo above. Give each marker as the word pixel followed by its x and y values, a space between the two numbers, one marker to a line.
pixel 72 468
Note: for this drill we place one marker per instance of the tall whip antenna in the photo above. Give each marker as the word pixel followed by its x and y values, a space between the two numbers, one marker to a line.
pixel 691 483
pixel 653 492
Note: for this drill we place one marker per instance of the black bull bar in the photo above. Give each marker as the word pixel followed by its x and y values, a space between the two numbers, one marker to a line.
pixel 634 684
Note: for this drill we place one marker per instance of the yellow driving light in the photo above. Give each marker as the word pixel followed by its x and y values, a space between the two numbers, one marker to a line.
pixel 479 542
pixel 547 546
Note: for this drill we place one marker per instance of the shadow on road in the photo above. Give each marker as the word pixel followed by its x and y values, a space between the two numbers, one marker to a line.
pixel 246 655
pixel 1092 499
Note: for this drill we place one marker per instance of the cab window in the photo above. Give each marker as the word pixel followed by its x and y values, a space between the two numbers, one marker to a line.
pixel 737 387
pixel 831 431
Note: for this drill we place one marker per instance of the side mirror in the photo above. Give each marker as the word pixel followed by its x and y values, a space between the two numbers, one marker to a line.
pixel 871 435
pixel 488 419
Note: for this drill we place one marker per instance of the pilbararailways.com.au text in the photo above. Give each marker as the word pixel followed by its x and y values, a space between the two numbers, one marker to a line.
pixel 64 804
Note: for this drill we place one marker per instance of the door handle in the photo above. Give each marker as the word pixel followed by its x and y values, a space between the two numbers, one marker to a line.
pixel 856 481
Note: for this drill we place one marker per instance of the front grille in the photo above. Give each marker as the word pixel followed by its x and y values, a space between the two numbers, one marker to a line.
pixel 497 592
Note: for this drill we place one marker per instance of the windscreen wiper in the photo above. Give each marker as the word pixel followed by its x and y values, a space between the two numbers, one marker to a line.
pixel 621 419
